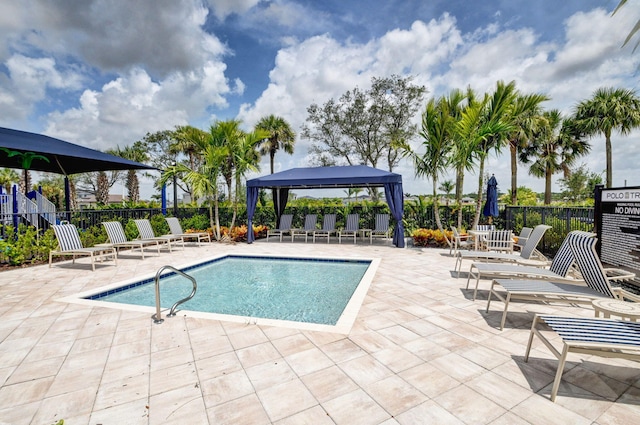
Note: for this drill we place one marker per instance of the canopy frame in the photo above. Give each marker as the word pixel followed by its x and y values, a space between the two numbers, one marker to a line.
pixel 328 178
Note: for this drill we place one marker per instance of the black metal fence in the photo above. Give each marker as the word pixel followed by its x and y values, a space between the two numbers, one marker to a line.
pixel 561 219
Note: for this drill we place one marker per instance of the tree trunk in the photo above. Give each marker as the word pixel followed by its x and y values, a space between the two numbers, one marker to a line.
pixel 547 186
pixel 514 173
pixel 476 219
pixel 459 186
pixel 609 162
pixel 436 211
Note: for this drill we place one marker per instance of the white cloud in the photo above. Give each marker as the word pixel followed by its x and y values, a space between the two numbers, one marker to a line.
pixel 224 8
pixel 128 107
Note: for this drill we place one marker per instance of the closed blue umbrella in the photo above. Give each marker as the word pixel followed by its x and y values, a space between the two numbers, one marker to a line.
pixel 491 204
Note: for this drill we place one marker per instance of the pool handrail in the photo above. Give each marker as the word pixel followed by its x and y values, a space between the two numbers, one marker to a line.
pixel 157 317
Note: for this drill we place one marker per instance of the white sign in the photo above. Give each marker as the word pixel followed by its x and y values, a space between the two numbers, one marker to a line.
pixel 621 195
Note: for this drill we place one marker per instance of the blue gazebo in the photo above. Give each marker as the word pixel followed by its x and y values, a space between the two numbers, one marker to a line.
pixel 328 178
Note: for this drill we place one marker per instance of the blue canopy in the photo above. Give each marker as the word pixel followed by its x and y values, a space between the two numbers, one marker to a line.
pixel 329 178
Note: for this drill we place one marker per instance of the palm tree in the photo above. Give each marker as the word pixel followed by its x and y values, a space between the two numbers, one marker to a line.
pixel 281 136
pixel 8 178
pixel 246 157
pixel 447 187
pixel 609 109
pixel 137 153
pixel 525 112
pixel 484 125
pixel 102 188
pixel 555 147
pixel 187 140
pixel 436 132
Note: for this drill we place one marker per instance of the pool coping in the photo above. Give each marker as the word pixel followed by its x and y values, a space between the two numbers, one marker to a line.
pixel 343 325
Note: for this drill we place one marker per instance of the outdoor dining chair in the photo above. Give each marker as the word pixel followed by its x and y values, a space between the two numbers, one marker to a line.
pixel 69 243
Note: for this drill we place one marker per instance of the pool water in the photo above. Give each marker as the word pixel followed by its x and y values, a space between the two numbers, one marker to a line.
pixel 293 289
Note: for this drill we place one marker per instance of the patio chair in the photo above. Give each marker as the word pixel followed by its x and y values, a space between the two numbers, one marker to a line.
pixel 69 243
pixel 382 229
pixel 561 269
pixel 118 239
pixel 521 239
pixel 459 241
pixel 485 227
pixel 284 227
pixel 591 336
pixel 596 283
pixel 175 229
pixel 498 241
pixel 146 234
pixel 528 252
pixel 328 227
pixel 310 222
pixel 352 226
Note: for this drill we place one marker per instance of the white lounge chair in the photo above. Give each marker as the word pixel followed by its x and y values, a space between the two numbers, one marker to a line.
pixel 560 270
pixel 596 282
pixel 351 228
pixel 528 252
pixel 591 336
pixel 328 227
pixel 382 229
pixel 525 232
pixel 310 222
pixel 284 227
pixel 69 243
pixel 118 238
pixel 146 234
pixel 175 229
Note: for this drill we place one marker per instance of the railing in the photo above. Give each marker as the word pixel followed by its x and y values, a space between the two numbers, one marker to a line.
pixel 46 208
pixel 157 317
pixel 27 209
pixel 6 209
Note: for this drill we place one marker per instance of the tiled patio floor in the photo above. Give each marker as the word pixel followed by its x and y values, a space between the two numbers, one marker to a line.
pixel 420 352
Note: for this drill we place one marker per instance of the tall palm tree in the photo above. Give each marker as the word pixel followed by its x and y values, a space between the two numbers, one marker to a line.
pixel 447 187
pixel 525 113
pixel 607 110
pixel 484 125
pixel 137 153
pixel 555 147
pixel 187 140
pixel 8 178
pixel 246 157
pixel 281 136
pixel 436 132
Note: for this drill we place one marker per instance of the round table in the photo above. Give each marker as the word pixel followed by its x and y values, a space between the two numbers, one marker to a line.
pixel 624 309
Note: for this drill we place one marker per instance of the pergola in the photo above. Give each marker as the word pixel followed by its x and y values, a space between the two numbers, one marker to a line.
pixel 328 178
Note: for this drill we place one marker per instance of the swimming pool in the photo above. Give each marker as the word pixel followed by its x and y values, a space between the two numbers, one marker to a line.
pixel 310 292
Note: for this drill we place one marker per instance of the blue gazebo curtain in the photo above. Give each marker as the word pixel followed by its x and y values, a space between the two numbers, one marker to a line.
pixel 395 200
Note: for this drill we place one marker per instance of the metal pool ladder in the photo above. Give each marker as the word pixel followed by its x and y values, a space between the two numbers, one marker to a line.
pixel 157 317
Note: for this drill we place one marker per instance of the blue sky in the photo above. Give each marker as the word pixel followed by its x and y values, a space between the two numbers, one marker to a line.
pixel 104 73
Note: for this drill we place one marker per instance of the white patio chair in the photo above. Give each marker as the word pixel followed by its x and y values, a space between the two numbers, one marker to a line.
pixel 328 227
pixel 351 227
pixel 118 238
pixel 69 243
pixel 381 229
pixel 310 222
pixel 285 227
pixel 146 234
pixel 175 229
